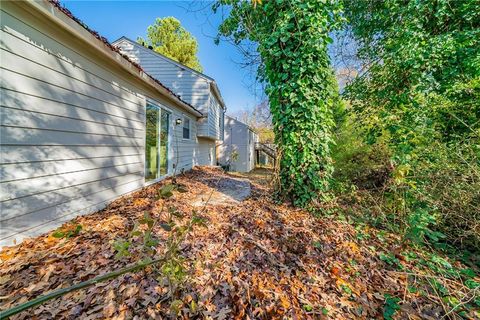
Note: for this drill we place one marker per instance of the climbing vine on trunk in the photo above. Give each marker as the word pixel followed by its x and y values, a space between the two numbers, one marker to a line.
pixel 292 38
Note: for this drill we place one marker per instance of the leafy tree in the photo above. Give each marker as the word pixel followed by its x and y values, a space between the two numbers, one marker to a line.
pixel 420 95
pixel 292 38
pixel 421 55
pixel 168 37
pixel 260 119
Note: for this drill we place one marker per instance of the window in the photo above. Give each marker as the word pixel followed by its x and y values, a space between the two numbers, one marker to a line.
pixel 156 142
pixel 152 143
pixel 186 128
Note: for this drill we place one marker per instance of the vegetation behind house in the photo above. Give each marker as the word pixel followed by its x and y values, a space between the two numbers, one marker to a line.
pixel 167 36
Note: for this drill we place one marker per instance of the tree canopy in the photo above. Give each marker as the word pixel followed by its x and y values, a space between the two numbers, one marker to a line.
pixel 420 56
pixel 411 123
pixel 168 37
pixel 419 99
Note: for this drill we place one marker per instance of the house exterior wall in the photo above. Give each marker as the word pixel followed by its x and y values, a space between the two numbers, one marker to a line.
pixel 215 118
pixel 238 138
pixel 72 131
pixel 189 85
pixel 252 139
pixel 205 152
pixel 192 86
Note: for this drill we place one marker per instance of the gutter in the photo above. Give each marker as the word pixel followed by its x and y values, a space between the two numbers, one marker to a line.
pixel 62 17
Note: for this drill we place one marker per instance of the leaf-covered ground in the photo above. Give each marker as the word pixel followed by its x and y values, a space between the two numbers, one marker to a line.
pixel 254 260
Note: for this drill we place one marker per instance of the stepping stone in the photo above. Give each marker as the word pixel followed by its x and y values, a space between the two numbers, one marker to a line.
pixel 228 191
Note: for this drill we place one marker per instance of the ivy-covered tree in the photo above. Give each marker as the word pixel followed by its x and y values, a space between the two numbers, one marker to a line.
pixel 168 37
pixel 292 38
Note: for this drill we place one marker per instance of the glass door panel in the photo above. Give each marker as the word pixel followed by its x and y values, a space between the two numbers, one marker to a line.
pixel 164 125
pixel 152 143
pixel 156 142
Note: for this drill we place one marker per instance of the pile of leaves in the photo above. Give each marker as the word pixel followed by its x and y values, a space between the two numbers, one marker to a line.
pixel 255 260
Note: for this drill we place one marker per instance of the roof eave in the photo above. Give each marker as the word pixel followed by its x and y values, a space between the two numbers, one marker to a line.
pixel 178 64
pixel 54 14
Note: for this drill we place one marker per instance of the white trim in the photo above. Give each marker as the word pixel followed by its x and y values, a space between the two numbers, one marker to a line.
pixel 169 142
pixel 189 127
pixel 45 9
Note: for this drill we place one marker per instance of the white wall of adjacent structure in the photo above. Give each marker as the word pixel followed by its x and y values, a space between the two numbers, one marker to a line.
pixel 238 138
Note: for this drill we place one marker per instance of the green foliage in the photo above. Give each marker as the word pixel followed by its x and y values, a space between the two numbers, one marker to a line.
pixel 307 307
pixel 168 37
pixel 391 306
pixel 67 231
pixel 346 289
pixel 367 167
pixel 166 191
pixel 418 99
pixel 390 259
pixel 145 230
pixel 121 246
pixel 292 39
pixel 434 201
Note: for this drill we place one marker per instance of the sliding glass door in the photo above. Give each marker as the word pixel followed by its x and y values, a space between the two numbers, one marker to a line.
pixel 164 124
pixel 156 142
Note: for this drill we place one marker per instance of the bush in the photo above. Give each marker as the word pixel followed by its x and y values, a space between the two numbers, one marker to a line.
pixel 436 198
pixel 451 184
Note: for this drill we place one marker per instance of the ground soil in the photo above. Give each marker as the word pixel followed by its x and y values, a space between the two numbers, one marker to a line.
pixel 253 258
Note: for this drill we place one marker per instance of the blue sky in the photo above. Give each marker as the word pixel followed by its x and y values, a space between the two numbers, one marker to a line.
pixel 113 19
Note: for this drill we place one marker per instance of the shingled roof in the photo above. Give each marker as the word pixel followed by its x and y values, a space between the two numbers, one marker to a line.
pixel 105 42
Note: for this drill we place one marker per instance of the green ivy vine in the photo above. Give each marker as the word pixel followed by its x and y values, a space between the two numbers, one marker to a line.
pixel 292 38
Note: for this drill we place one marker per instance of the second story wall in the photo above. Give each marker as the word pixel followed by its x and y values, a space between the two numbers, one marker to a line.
pixel 192 87
pixel 215 118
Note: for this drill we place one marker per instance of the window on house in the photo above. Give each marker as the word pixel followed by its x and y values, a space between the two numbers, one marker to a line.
pixel 186 128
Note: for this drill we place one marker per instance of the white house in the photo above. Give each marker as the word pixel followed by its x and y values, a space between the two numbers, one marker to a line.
pixel 81 124
pixel 238 147
pixel 194 87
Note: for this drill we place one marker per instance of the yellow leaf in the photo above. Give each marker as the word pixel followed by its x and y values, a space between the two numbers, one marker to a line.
pixel 284 301
pixel 340 282
pixel 255 2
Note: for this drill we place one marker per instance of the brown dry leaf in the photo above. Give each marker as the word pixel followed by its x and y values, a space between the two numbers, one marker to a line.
pixel 256 259
pixel 109 309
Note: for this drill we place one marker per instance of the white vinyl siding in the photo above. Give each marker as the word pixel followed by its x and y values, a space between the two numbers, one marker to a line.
pixel 239 138
pixel 72 127
pixel 215 119
pixel 190 85
pixel 205 154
